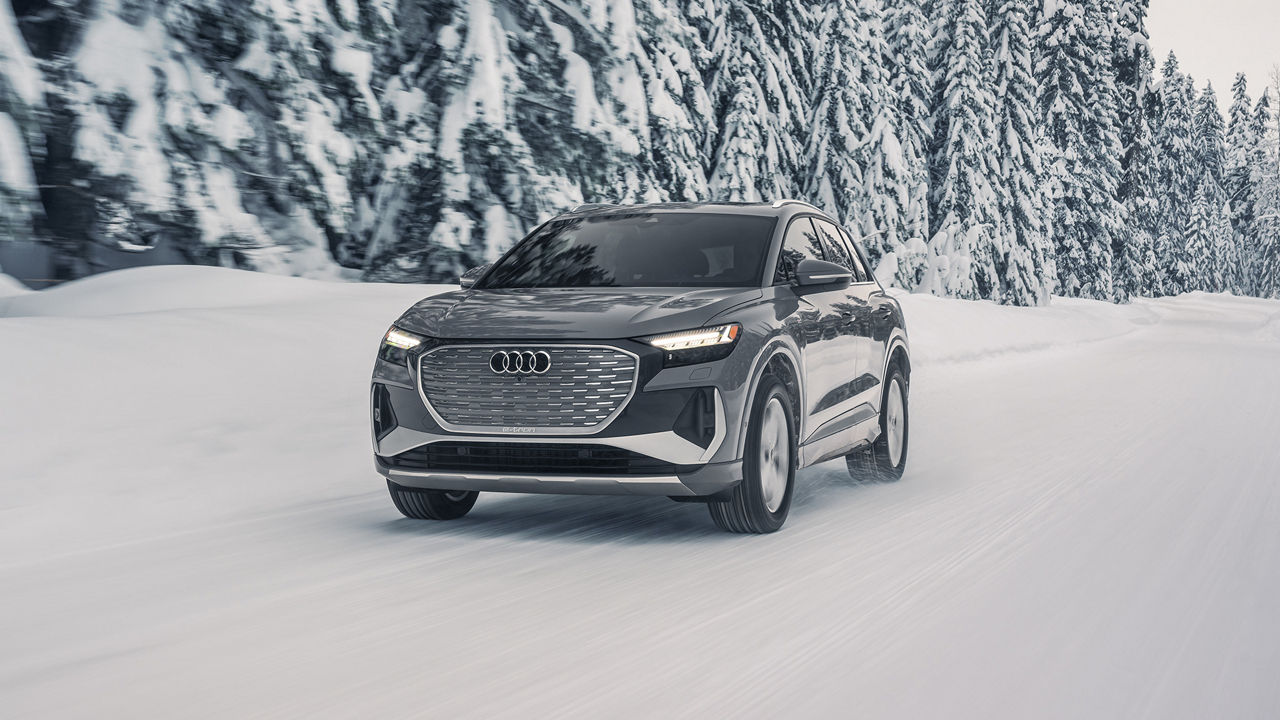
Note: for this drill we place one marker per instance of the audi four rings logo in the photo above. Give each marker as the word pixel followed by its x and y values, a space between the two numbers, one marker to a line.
pixel 520 362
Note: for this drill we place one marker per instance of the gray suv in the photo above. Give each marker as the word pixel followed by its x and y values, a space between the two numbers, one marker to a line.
pixel 699 351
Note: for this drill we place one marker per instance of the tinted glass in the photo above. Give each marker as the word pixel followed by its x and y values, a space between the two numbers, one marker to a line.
pixel 642 249
pixel 837 251
pixel 860 273
pixel 801 243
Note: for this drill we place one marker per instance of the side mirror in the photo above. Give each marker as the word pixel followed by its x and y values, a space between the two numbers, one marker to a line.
pixel 470 277
pixel 813 273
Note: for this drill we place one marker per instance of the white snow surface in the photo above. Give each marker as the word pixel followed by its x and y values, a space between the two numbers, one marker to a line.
pixel 10 286
pixel 1089 527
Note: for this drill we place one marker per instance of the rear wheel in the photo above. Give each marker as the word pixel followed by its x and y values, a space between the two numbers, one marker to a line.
pixel 886 459
pixel 432 504
pixel 760 503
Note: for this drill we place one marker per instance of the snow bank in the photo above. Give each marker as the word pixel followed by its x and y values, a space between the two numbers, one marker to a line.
pixel 188 287
pixel 947 330
pixel 176 382
pixel 159 288
pixel 10 287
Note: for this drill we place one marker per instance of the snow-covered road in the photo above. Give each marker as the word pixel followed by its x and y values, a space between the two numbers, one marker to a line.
pixel 1089 527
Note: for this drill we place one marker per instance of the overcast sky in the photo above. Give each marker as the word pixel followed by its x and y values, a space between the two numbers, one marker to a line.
pixel 1215 39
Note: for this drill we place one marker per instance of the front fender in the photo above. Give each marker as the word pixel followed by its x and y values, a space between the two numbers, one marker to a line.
pixel 785 346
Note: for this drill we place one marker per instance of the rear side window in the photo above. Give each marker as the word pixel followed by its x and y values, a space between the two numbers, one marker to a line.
pixel 801 243
pixel 838 251
pixel 859 257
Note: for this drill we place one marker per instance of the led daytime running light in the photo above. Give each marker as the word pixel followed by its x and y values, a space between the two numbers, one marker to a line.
pixel 702 337
pixel 402 340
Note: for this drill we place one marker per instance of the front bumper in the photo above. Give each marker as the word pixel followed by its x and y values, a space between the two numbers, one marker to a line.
pixel 656 445
pixel 704 480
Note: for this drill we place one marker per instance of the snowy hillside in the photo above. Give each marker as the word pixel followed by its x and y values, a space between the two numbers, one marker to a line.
pixel 191 526
pixel 995 149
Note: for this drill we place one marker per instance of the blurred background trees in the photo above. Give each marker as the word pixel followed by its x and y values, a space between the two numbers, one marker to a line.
pixel 1001 149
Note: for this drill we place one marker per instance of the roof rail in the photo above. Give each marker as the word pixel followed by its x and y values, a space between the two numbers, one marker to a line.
pixel 789 201
pixel 591 206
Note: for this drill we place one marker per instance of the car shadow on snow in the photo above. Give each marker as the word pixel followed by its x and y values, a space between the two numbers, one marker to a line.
pixel 571 519
pixel 614 519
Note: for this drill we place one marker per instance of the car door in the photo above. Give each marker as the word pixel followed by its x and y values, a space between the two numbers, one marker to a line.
pixel 827 348
pixel 862 375
pixel 880 312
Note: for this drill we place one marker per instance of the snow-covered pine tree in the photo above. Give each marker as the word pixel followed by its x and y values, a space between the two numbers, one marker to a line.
pixel 1228 250
pixel 1078 102
pixel 1196 265
pixel 530 107
pixel 842 113
pixel 887 223
pixel 431 216
pixel 600 144
pixel 225 132
pixel 20 135
pixel 679 108
pixel 1178 175
pixel 756 82
pixel 910 92
pixel 795 32
pixel 965 213
pixel 1026 267
pixel 1105 141
pixel 1237 181
pixel 1135 270
pixel 1133 64
pixel 742 158
pixel 1266 177
pixel 858 171
pixel 624 106
pixel 413 139
pixel 1218 269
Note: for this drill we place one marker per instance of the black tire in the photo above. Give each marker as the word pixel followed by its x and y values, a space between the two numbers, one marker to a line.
pixel 432 504
pixel 748 510
pixel 876 463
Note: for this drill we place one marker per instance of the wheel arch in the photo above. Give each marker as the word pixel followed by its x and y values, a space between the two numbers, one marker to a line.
pixel 898 354
pixel 777 358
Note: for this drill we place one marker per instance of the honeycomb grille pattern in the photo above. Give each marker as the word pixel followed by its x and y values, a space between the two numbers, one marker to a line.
pixel 583 387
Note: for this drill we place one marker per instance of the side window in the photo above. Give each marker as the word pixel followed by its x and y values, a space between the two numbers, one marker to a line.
pixel 837 251
pixel 800 243
pixel 862 272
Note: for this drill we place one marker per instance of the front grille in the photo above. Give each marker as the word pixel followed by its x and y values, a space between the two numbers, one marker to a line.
pixel 582 388
pixel 532 459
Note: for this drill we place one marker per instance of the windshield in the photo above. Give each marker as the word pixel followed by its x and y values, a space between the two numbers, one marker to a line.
pixel 642 249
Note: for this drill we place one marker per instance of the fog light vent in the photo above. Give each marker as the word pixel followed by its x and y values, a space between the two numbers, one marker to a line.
pixel 697 421
pixel 384 418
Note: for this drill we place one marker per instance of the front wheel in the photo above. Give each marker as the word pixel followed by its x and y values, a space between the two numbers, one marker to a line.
pixel 432 504
pixel 760 503
pixel 886 459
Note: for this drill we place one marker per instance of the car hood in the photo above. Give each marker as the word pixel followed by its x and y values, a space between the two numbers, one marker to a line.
pixel 569 313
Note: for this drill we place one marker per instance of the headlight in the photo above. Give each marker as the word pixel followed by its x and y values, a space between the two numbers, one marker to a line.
pixel 690 347
pixel 401 339
pixel 396 345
